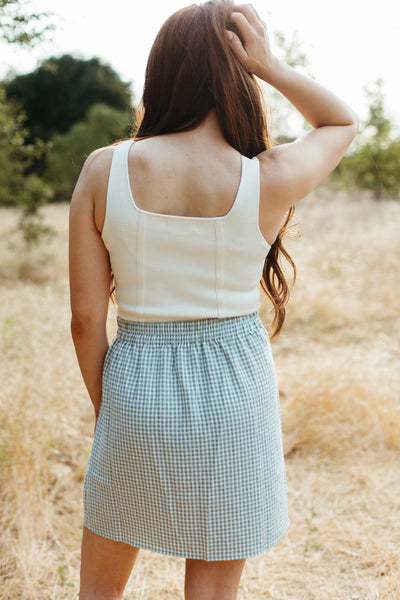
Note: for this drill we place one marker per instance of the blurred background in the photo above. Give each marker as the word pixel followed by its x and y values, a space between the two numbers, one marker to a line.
pixel 71 75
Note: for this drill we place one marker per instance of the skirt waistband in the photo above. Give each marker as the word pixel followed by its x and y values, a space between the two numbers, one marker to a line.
pixel 175 332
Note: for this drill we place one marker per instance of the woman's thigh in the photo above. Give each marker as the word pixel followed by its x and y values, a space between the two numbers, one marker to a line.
pixel 105 566
pixel 209 580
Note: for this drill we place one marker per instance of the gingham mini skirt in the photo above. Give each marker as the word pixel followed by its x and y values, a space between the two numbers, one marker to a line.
pixel 187 456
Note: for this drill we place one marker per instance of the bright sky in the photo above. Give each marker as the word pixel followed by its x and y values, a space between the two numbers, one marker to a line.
pixel 349 43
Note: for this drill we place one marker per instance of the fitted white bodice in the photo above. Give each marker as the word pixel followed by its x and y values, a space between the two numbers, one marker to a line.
pixel 169 267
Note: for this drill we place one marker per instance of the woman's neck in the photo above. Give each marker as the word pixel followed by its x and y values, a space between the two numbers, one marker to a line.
pixel 210 127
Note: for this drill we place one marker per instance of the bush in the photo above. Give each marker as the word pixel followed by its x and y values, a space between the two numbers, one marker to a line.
pixel 62 89
pixel 17 187
pixel 375 162
pixel 14 155
pixel 102 126
pixel 373 167
pixel 31 223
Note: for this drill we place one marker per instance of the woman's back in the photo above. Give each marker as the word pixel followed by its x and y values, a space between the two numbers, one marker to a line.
pixel 192 174
pixel 174 257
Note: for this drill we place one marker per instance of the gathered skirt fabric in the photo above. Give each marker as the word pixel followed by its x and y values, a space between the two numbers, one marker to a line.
pixel 187 455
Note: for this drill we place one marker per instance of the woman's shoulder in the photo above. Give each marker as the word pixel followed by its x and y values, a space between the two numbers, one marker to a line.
pixel 96 170
pixel 98 161
pixel 92 183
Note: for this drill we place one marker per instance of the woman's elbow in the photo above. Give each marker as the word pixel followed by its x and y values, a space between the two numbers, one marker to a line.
pixel 354 125
pixel 83 324
pixel 350 132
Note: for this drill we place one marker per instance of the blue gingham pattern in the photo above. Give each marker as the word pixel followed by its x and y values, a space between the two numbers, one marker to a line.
pixel 187 456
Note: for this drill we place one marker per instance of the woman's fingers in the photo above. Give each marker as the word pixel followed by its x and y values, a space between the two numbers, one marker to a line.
pixel 250 13
pixel 237 46
pixel 243 24
pixel 251 45
pixel 250 27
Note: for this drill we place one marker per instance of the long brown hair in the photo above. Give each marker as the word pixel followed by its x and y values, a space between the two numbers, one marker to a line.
pixel 192 69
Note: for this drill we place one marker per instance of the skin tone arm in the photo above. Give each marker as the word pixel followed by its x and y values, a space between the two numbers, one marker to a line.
pixel 90 274
pixel 290 171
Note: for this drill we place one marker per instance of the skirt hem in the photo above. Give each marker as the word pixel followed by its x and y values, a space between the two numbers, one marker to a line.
pixel 192 556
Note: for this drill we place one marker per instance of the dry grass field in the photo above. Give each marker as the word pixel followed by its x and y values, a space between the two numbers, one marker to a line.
pixel 338 367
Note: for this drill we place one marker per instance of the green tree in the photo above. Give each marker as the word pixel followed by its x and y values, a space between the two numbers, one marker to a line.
pixel 19 25
pixel 16 187
pixel 61 90
pixel 377 118
pixel 285 118
pixel 291 51
pixel 103 126
pixel 374 164
pixel 15 156
pixel 12 159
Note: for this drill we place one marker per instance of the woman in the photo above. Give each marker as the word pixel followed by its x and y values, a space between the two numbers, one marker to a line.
pixel 187 457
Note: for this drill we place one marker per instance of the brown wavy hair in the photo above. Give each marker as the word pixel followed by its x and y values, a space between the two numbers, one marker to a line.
pixel 192 69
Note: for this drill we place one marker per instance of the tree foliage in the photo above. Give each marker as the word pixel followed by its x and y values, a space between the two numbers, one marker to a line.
pixel 292 51
pixel 102 126
pixel 285 117
pixel 377 118
pixel 15 156
pixel 374 164
pixel 16 187
pixel 61 90
pixel 19 25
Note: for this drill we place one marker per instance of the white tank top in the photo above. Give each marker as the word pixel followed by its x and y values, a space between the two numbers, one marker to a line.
pixel 169 267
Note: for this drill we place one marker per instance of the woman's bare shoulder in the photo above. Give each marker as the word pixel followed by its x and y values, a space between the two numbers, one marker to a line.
pixel 93 178
pixel 91 188
pixel 98 163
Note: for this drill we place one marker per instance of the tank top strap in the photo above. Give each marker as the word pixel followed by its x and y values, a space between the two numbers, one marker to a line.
pixel 118 189
pixel 119 169
pixel 252 178
pixel 247 204
pixel 246 209
pixel 248 194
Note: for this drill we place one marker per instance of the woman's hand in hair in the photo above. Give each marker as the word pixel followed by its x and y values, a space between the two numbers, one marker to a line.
pixel 254 53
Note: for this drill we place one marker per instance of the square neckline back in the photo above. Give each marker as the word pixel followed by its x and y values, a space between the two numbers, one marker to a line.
pixel 182 217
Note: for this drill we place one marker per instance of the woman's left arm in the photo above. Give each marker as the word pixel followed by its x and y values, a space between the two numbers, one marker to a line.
pixel 90 275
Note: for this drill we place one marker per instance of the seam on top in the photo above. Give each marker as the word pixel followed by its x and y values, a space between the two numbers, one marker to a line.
pixel 216 268
pixel 222 256
pixel 142 232
pixel 219 272
pixel 138 269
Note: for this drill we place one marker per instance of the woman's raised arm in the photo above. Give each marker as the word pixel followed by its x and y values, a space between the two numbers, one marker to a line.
pixel 291 171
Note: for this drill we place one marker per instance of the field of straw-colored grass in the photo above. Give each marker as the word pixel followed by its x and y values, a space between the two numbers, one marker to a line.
pixel 338 368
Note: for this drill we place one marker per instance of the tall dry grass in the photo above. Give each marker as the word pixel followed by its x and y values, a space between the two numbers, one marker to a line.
pixel 337 363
